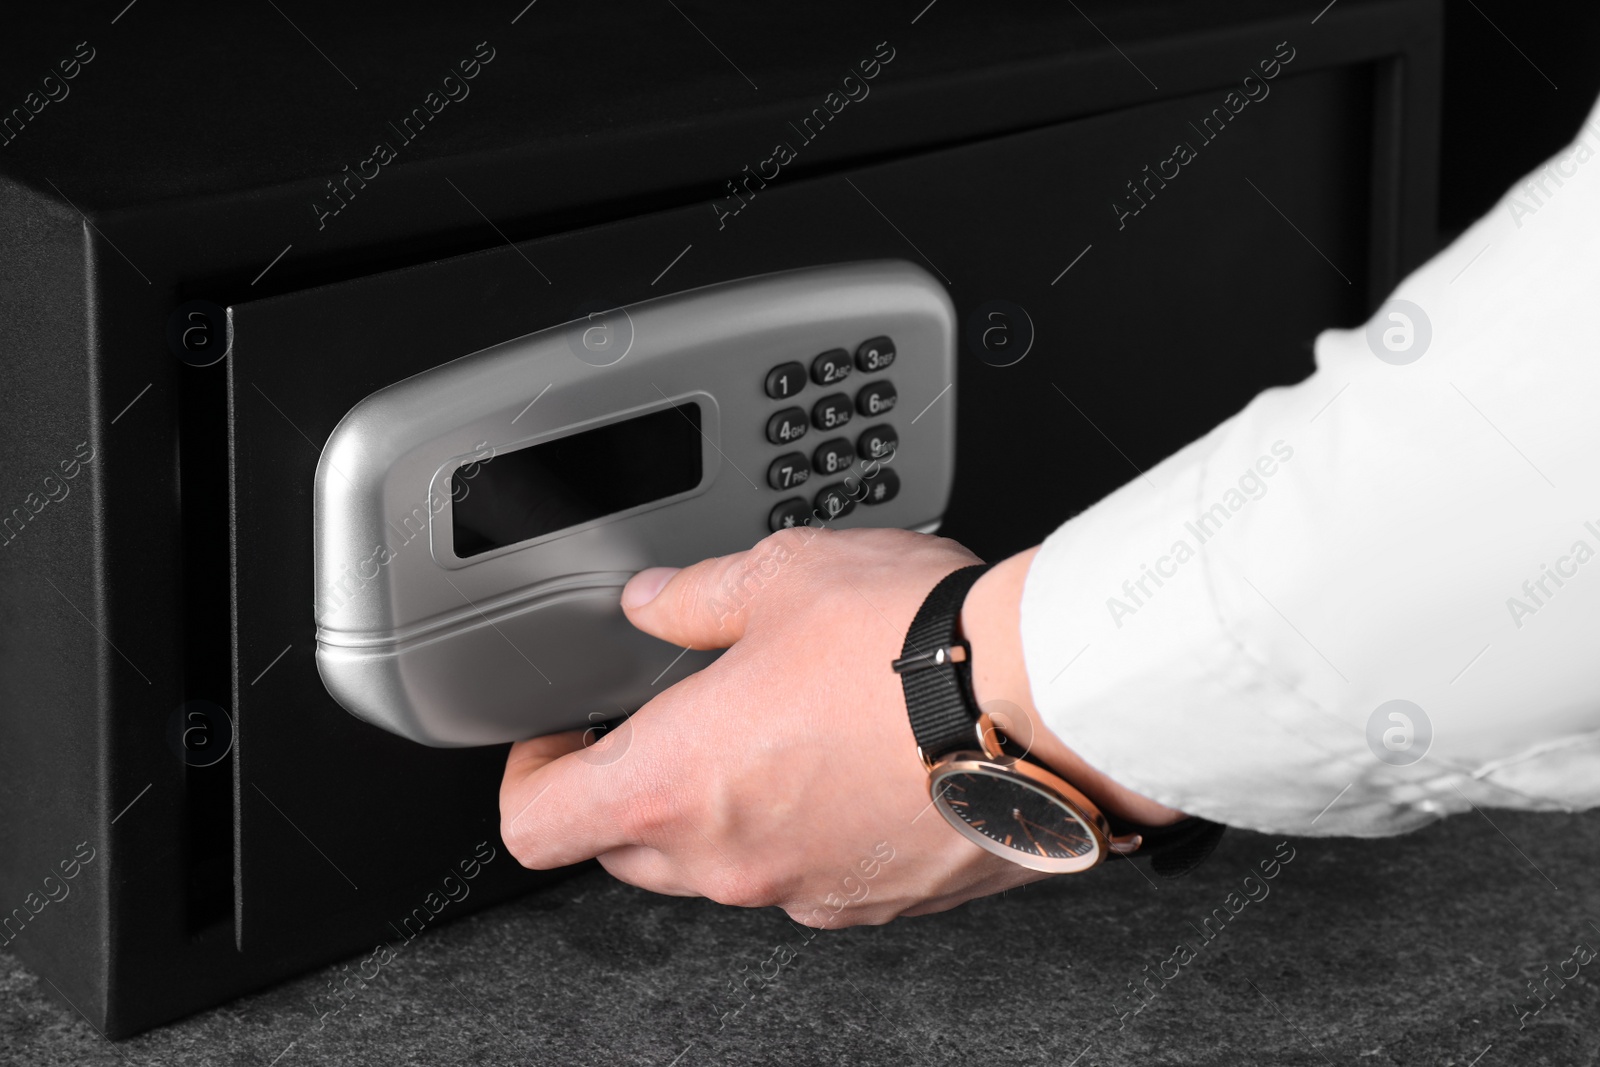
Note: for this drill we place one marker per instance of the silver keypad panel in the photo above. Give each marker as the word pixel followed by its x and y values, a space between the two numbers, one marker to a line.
pixel 475 523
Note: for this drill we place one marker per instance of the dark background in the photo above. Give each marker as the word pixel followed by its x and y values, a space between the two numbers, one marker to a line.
pixel 1501 116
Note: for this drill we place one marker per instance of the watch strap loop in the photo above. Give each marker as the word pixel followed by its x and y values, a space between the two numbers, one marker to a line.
pixel 936 677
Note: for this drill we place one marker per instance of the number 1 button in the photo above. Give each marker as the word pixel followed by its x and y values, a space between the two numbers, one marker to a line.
pixel 785 380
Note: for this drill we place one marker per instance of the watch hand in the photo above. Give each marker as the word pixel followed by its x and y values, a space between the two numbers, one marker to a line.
pixel 1070 839
pixel 1073 841
pixel 1016 814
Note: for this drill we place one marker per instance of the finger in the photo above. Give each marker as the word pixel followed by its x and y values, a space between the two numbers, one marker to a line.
pixel 646 868
pixel 528 756
pixel 684 607
pixel 708 604
pixel 558 809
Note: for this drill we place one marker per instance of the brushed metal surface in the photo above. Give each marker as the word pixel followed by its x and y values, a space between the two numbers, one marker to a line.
pixel 528 638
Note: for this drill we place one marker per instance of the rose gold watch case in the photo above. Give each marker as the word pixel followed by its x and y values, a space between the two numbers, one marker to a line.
pixel 1031 776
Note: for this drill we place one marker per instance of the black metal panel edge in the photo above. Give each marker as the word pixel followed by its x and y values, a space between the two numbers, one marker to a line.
pixel 537 188
pixel 957 75
pixel 55 784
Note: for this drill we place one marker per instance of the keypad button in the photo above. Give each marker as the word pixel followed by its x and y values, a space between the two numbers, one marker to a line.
pixel 785 380
pixel 788 471
pixel 833 457
pixel 877 399
pixel 877 442
pixel 786 426
pixel 874 355
pixel 831 367
pixel 833 503
pixel 881 488
pixel 789 514
pixel 831 412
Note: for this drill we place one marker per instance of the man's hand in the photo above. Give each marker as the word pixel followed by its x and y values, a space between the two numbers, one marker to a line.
pixel 785 773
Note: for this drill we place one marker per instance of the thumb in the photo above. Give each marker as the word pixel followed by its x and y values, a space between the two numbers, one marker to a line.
pixel 554 809
pixel 702 606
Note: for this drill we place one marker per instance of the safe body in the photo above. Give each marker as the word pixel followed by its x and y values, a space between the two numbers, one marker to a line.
pixel 180 567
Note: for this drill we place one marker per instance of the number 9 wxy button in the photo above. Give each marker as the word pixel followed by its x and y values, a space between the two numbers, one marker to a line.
pixel 878 442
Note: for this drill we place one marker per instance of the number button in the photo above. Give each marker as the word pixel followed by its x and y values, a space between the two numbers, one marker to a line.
pixel 831 367
pixel 833 503
pixel 874 355
pixel 878 442
pixel 876 399
pixel 833 457
pixel 831 412
pixel 788 471
pixel 789 514
pixel 785 380
pixel 881 488
pixel 786 425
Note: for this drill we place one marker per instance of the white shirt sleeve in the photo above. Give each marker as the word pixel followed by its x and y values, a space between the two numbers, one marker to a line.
pixel 1417 522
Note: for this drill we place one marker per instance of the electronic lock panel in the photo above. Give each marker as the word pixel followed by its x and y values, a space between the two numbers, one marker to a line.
pixel 475 523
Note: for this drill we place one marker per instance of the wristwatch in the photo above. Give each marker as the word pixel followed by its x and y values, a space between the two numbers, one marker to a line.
pixel 992 793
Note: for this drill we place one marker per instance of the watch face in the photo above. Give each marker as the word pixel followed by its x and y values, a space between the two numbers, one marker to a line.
pixel 1005 813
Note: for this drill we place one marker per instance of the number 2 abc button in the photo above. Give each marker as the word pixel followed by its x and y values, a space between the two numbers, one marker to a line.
pixel 787 425
pixel 830 367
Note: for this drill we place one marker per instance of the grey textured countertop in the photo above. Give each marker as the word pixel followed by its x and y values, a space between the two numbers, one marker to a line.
pixel 1413 950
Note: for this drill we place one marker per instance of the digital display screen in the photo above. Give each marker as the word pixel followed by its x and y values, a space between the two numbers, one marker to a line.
pixel 516 496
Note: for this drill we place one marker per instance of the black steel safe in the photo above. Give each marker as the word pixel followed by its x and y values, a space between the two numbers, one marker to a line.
pixel 332 217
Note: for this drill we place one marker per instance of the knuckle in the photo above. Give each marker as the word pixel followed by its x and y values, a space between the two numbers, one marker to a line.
pixel 736 586
pixel 517 840
pixel 686 599
pixel 742 890
pixel 787 542
pixel 740 582
pixel 654 808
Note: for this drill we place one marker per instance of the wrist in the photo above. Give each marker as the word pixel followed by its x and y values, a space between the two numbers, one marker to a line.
pixel 991 621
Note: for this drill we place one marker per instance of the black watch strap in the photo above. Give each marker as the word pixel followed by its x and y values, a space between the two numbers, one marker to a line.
pixel 934 672
pixel 1173 850
pixel 936 676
